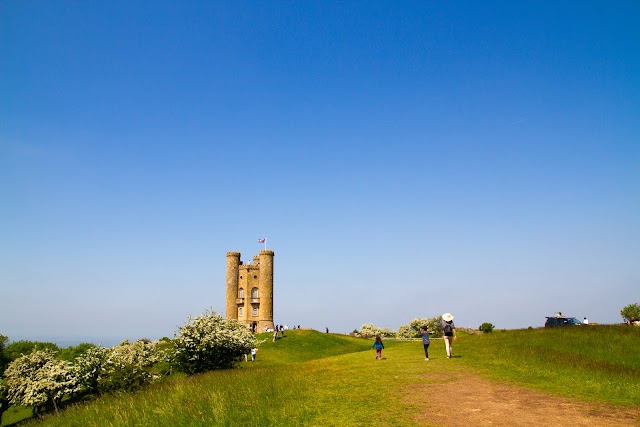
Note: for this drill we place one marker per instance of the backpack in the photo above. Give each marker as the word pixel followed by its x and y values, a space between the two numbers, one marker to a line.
pixel 447 329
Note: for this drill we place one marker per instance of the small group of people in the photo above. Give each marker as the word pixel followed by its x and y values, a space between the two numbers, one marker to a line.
pixel 279 329
pixel 448 335
pixel 254 351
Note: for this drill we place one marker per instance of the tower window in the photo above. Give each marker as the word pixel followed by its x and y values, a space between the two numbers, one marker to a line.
pixel 254 293
pixel 241 293
pixel 255 311
pixel 240 312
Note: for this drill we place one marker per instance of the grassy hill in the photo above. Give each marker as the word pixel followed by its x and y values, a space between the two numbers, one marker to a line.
pixel 310 378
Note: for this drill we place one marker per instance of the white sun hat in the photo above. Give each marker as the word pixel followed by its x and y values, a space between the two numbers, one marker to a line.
pixel 447 317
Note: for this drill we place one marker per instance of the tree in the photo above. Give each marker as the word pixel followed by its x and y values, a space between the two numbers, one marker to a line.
pixel 209 342
pixel 486 327
pixel 4 359
pixel 39 379
pixel 23 347
pixel 71 353
pixel 631 312
pixel 4 399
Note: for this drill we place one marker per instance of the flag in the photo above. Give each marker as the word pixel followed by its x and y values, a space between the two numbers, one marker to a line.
pixel 261 240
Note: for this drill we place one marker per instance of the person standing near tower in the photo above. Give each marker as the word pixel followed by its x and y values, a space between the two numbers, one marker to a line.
pixel 448 333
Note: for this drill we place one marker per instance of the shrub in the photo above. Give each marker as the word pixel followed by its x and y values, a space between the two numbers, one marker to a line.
pixel 486 327
pixel 630 312
pixel 369 331
pixel 209 342
pixel 387 333
pixel 433 325
pixel 38 379
pixel 405 332
pixel 89 367
pixel 127 366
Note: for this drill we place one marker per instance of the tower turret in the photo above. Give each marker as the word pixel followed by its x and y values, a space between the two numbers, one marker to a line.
pixel 266 288
pixel 233 265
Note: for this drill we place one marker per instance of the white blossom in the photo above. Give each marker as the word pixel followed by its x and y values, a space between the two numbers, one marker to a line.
pixel 210 342
pixel 38 378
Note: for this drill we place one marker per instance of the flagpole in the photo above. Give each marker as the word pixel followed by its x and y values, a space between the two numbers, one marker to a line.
pixel 265 243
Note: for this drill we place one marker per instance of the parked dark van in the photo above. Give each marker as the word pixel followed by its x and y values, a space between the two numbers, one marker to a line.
pixel 561 321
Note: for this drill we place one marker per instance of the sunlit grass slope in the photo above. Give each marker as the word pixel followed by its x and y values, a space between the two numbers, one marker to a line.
pixel 600 363
pixel 304 345
pixel 310 378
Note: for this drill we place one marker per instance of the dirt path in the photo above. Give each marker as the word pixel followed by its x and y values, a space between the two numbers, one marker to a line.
pixel 466 400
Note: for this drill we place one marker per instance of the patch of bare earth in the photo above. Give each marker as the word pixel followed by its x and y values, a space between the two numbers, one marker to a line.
pixel 466 400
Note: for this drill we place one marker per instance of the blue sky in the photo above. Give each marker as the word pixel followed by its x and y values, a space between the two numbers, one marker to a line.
pixel 404 159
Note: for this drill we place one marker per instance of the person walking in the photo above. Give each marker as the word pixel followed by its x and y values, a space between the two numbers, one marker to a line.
pixel 379 346
pixel 253 354
pixel 448 333
pixel 425 341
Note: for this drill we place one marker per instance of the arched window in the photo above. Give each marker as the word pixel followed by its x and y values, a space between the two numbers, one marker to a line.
pixel 241 293
pixel 254 293
pixel 239 311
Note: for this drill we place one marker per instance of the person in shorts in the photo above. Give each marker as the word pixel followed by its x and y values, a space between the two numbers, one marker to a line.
pixel 448 333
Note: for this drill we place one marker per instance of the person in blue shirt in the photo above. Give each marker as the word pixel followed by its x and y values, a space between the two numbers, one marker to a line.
pixel 425 341
pixel 378 346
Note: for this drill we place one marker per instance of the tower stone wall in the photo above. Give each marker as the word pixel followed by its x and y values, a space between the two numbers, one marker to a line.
pixel 233 265
pixel 249 290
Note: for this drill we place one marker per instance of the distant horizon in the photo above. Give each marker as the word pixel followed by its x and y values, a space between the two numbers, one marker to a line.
pixel 64 342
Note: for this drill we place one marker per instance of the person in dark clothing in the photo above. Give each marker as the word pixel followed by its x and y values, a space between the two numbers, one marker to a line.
pixel 448 333
pixel 379 346
pixel 425 341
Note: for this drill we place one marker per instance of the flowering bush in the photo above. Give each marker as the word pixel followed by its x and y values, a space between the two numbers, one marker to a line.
pixel 406 332
pixel 38 379
pixel 89 366
pixel 126 366
pixel 210 342
pixel 369 331
pixel 412 330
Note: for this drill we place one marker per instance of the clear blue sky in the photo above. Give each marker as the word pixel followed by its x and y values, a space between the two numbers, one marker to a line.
pixel 404 159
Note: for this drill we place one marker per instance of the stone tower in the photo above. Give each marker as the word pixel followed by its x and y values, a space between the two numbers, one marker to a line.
pixel 250 290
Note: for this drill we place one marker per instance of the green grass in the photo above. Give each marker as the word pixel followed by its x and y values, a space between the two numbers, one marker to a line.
pixel 310 378
pixel 596 363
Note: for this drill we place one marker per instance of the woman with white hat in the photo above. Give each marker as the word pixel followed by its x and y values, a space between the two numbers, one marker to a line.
pixel 448 333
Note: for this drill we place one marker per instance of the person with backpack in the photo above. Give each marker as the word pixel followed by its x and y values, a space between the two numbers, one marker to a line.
pixel 425 341
pixel 448 333
pixel 378 346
